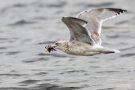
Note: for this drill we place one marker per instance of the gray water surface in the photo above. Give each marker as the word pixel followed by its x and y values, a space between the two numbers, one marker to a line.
pixel 26 26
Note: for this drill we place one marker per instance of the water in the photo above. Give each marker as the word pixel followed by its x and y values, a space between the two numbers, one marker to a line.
pixel 26 26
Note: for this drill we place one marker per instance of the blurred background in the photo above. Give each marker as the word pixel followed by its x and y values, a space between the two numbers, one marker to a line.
pixel 26 26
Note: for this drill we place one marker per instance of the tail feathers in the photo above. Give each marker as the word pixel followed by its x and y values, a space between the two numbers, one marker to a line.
pixel 110 51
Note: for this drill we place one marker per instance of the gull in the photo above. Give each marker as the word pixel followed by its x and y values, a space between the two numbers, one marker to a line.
pixel 85 32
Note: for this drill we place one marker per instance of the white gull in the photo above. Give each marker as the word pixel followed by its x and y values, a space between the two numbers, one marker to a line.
pixel 85 32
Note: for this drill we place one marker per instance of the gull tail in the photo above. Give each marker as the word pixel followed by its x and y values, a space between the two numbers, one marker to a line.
pixel 108 51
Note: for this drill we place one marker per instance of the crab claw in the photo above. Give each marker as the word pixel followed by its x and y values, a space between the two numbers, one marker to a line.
pixel 50 48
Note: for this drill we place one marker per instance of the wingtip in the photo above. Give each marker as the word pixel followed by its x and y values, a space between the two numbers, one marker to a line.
pixel 124 10
pixel 117 10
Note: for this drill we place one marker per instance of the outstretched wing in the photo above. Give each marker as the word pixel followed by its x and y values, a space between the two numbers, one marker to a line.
pixel 77 31
pixel 95 18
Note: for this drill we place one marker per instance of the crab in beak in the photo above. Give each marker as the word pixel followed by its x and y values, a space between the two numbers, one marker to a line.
pixel 50 48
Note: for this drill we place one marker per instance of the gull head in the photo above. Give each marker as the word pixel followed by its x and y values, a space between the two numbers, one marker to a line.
pixel 60 45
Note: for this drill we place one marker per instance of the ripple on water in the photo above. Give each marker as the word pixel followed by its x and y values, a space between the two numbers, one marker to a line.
pixel 7 39
pixel 45 86
pixel 73 71
pixel 41 73
pixel 57 5
pixel 87 5
pixel 22 22
pixel 13 52
pixel 128 54
pixel 7 74
pixel 2 48
pixel 3 39
pixel 102 4
pixel 8 8
pixel 107 89
pixel 54 87
pixel 40 18
pixel 46 42
pixel 128 48
pixel 33 60
pixel 107 72
pixel 121 22
pixel 26 82
pixel 113 36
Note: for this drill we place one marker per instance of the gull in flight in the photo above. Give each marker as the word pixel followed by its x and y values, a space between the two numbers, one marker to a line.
pixel 85 33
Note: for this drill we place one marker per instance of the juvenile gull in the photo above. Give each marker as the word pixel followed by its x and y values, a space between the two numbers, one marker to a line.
pixel 85 32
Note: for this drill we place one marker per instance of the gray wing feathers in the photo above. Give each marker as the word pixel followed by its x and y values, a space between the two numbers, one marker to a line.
pixel 77 31
pixel 106 13
pixel 78 21
pixel 95 18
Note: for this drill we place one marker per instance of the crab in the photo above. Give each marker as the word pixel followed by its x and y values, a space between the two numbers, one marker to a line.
pixel 50 48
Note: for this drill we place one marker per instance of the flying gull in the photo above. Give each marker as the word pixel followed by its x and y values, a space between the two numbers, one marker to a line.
pixel 85 33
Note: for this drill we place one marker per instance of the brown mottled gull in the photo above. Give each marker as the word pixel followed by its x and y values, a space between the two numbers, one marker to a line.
pixel 85 32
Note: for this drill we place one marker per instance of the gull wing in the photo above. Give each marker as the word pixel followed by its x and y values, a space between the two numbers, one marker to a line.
pixel 95 18
pixel 77 31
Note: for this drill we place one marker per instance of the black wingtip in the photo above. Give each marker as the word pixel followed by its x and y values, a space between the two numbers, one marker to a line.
pixel 117 10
